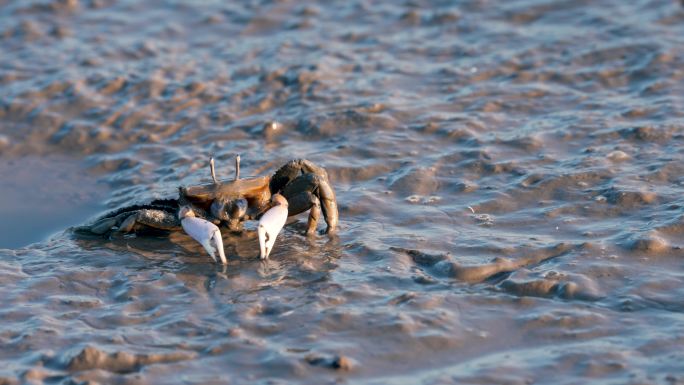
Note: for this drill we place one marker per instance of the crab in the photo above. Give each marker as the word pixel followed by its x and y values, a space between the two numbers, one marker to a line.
pixel 226 205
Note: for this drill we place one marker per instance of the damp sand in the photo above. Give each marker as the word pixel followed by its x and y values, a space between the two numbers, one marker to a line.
pixel 509 177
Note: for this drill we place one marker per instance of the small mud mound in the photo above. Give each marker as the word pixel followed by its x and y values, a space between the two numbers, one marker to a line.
pixel 651 243
pixel 551 284
pixel 121 362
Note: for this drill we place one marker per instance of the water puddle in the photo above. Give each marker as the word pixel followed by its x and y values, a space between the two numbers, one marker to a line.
pixel 44 195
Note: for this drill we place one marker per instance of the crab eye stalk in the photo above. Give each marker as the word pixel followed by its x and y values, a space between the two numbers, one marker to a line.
pixel 237 166
pixel 213 171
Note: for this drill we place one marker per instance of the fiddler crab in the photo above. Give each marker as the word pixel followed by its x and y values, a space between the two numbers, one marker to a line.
pixel 201 211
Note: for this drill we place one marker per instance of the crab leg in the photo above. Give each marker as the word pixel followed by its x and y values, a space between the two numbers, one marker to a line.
pixel 204 232
pixel 300 202
pixel 271 223
pixel 300 175
pixel 157 219
pixel 312 191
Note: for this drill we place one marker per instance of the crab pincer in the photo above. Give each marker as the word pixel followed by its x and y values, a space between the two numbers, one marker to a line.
pixel 270 224
pixel 206 233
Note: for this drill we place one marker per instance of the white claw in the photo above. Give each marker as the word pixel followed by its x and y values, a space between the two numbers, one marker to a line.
pixel 204 232
pixel 270 224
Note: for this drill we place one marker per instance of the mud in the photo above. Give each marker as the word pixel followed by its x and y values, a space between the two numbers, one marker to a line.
pixel 509 177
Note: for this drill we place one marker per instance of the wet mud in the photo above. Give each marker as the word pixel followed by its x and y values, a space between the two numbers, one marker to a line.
pixel 509 177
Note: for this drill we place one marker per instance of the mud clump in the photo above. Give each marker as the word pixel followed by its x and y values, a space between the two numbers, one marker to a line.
pixel 121 362
pixel 331 124
pixel 651 243
pixel 551 284
pixel 648 134
pixel 421 258
pixel 629 199
pixel 8 381
pixel 337 362
pixel 416 181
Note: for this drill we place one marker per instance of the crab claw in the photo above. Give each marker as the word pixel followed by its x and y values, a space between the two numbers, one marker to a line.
pixel 204 232
pixel 271 223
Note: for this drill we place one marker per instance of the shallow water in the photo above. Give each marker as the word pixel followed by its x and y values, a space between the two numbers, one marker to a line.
pixel 43 195
pixel 509 176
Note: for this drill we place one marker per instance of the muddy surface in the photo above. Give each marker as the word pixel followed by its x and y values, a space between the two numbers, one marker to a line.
pixel 510 179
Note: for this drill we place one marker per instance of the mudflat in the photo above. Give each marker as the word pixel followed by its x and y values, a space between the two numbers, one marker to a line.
pixel 510 178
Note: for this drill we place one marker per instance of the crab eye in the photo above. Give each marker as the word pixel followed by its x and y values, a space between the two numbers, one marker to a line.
pixel 218 209
pixel 237 208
